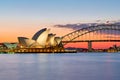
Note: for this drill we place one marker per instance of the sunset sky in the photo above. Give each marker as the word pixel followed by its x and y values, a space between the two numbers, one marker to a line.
pixel 25 17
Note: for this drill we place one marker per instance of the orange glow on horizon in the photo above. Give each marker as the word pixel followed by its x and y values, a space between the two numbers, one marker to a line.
pixel 95 45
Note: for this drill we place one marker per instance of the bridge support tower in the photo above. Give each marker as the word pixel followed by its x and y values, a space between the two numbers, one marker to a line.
pixel 90 46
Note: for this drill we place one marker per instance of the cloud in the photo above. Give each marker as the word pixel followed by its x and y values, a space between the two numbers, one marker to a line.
pixel 78 26
pixel 75 26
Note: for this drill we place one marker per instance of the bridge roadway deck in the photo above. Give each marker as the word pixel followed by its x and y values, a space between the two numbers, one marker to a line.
pixel 90 41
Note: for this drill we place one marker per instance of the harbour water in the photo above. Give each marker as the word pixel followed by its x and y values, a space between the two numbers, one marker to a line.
pixel 80 66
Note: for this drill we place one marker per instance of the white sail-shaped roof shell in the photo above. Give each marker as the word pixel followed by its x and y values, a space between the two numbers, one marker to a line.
pixel 58 40
pixel 41 36
pixel 51 39
pixel 29 42
pixel 22 40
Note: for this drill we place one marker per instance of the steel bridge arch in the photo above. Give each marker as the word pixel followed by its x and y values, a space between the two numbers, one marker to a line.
pixel 75 34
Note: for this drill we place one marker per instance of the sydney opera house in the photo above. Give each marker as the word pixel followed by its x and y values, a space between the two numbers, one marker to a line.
pixel 42 42
pixel 41 39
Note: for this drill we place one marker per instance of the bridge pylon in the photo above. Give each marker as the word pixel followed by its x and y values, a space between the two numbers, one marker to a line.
pixel 90 46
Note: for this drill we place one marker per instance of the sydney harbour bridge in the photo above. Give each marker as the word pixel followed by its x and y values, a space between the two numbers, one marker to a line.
pixel 96 33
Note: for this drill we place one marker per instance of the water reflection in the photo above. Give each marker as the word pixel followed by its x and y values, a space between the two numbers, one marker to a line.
pixel 60 67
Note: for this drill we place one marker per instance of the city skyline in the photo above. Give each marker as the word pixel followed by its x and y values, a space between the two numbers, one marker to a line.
pixel 25 17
